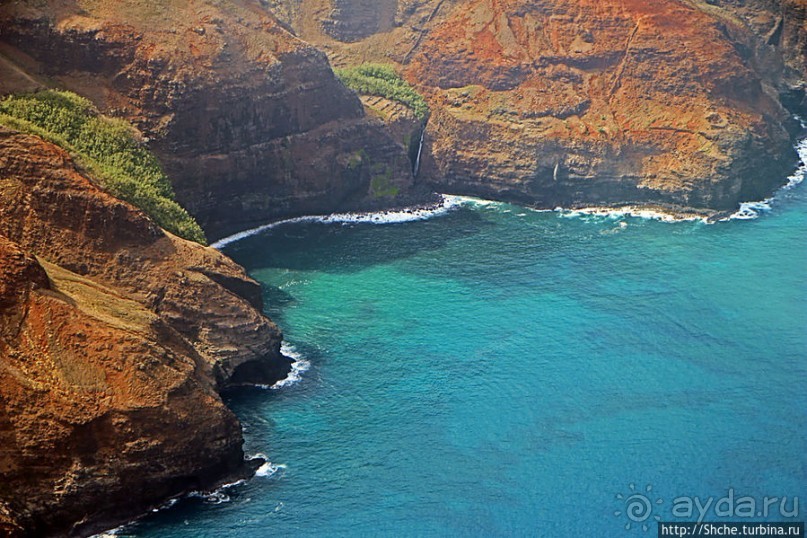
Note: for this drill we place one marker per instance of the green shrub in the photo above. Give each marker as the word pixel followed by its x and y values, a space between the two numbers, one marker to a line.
pixel 381 181
pixel 383 81
pixel 107 147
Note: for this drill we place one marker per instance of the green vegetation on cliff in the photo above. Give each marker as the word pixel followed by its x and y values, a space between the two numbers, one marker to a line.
pixel 107 147
pixel 383 81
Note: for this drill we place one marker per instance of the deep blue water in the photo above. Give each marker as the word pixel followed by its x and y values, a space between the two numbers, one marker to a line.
pixel 503 372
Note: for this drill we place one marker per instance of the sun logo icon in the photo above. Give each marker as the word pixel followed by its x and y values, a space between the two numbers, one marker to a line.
pixel 638 507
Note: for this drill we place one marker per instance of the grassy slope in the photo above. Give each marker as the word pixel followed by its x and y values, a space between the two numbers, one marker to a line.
pixel 383 81
pixel 107 148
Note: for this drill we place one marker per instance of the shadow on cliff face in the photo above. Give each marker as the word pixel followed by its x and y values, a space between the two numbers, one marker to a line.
pixel 340 248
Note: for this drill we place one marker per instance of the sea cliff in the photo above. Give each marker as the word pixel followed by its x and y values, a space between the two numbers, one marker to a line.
pixel 117 338
pixel 248 120
pixel 686 105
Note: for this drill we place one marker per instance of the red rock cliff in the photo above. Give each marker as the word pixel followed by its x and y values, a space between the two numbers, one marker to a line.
pixel 561 102
pixel 600 103
pixel 115 338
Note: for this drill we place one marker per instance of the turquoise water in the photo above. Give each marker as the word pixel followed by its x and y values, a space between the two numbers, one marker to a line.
pixel 503 372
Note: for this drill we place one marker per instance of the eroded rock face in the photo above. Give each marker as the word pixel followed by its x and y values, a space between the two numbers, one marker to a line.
pixel 100 405
pixel 54 211
pixel 578 103
pixel 352 20
pixel 249 121
pixel 561 102
pixel 790 36
pixel 115 338
pixel 780 46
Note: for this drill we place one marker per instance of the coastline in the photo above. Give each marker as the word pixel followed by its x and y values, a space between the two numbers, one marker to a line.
pixel 259 465
pixel 751 210
pixel 391 216
pixel 646 292
pixel 112 527
pixel 450 202
pixel 447 202
pixel 132 339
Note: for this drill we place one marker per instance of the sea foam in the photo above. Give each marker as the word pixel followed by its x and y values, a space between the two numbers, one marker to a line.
pixel 379 217
pixel 752 210
pixel 268 469
pixel 628 211
pixel 747 210
pixel 298 367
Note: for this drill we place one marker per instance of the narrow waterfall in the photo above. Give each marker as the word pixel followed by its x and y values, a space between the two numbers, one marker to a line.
pixel 416 169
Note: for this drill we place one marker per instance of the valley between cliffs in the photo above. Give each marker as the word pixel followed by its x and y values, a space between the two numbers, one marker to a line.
pixel 117 338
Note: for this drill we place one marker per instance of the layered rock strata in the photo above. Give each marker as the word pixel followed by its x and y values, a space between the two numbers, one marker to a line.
pixel 115 340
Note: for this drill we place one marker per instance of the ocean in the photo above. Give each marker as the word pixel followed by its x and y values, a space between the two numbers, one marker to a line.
pixel 489 370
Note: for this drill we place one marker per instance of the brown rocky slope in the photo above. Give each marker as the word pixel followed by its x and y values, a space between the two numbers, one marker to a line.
pixel 557 102
pixel 115 338
pixel 248 120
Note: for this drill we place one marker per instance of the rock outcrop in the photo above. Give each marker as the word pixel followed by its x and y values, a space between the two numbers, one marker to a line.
pixel 353 20
pixel 579 103
pixel 52 210
pixel 249 121
pixel 115 340
pixel 679 103
pixel 400 122
pixel 779 45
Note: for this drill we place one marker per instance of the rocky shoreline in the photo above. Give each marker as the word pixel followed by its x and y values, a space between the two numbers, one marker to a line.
pixel 102 528
pixel 118 338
